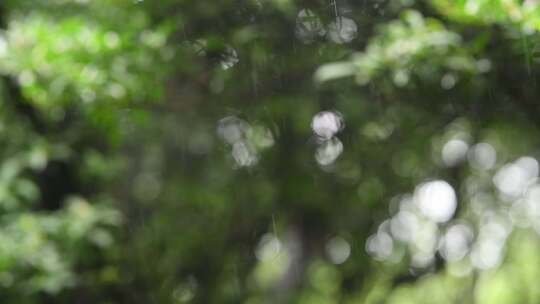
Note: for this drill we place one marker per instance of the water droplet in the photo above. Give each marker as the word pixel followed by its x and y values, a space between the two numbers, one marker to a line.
pixel 326 124
pixel 229 58
pixel 343 30
pixel 308 26
pixel 329 151
pixel 232 129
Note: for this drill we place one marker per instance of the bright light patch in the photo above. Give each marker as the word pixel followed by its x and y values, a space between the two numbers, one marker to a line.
pixel 513 179
pixel 308 26
pixel 380 245
pixel 455 242
pixel 448 81
pixel 231 129
pixel 3 46
pixel 328 151
pixel 454 151
pixel 532 199
pixel 482 156
pixel 244 154
pixel 436 200
pixel 268 248
pixel 425 240
pixel 326 124
pixel 422 259
pixel 487 254
pixel 404 226
pixel 343 30
pixel 338 250
pixel 229 58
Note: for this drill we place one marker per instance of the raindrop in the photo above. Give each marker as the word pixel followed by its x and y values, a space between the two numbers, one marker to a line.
pixel 326 124
pixel 185 292
pixel 229 58
pixel 260 137
pixel 244 154
pixel 231 129
pixel 329 151
pixel 343 30
pixel 268 248
pixel 308 26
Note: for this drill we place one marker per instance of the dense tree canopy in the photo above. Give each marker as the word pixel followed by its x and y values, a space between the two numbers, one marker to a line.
pixel 269 151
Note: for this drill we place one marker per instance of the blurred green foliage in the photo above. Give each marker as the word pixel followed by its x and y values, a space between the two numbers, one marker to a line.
pixel 269 151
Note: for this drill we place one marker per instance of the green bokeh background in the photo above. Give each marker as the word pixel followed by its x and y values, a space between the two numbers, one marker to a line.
pixel 163 151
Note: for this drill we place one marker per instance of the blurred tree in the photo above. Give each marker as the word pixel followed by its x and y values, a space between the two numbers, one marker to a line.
pixel 269 151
